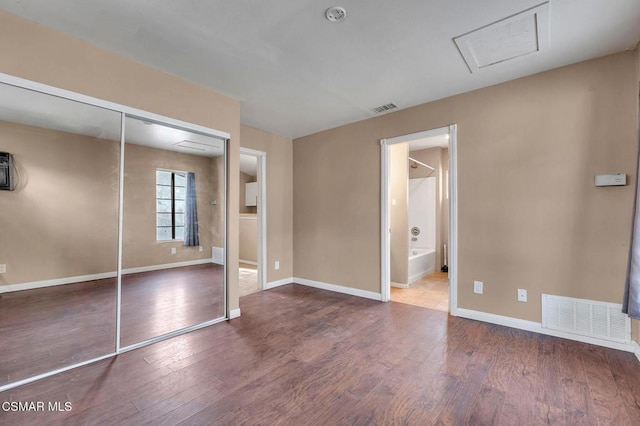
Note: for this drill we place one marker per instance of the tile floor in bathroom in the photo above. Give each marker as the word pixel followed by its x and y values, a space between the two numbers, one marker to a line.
pixel 431 291
pixel 248 279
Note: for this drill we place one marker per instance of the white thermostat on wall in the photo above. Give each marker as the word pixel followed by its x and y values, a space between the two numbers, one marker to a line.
pixel 618 179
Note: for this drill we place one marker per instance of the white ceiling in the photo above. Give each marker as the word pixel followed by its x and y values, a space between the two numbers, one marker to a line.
pixel 296 73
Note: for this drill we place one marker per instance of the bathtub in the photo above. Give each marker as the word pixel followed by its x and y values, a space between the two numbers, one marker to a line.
pixel 422 261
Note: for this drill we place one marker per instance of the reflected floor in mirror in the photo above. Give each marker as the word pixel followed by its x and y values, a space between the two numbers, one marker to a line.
pixel 53 327
pixel 159 302
pixel 50 328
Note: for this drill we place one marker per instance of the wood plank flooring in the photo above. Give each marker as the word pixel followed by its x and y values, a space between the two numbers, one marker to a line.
pixel 300 355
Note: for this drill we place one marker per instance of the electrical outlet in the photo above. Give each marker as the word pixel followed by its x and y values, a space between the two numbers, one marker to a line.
pixel 478 287
pixel 277 265
pixel 522 295
pixel 3 268
pixel 200 248
pixel 173 250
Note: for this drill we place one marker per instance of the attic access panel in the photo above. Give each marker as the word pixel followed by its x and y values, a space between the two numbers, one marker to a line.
pixel 518 35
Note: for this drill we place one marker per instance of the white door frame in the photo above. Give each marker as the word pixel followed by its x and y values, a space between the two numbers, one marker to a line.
pixel 385 228
pixel 261 156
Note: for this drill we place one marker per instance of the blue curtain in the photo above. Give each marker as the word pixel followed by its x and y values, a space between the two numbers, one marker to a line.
pixel 191 214
pixel 631 303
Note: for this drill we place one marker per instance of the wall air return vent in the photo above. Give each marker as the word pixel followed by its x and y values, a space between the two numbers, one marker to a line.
pixel 384 108
pixel 518 35
pixel 598 320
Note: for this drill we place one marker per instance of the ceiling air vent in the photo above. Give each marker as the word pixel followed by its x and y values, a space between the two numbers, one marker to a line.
pixel 384 108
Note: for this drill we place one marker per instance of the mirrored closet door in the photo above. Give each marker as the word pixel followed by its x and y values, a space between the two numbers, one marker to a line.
pixel 58 232
pixel 173 230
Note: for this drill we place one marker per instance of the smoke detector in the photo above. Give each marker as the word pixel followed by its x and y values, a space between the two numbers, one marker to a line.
pixel 335 14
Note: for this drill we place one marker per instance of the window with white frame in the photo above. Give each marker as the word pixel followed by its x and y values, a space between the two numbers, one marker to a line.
pixel 171 189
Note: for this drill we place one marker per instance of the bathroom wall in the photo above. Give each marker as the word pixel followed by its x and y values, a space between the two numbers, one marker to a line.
pixel 422 212
pixel 443 223
pixel 434 158
pixel 399 215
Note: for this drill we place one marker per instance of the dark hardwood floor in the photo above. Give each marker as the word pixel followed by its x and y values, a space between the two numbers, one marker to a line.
pixel 53 327
pixel 299 355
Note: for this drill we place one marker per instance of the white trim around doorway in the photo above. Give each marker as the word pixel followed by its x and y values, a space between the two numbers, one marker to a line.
pixel 385 228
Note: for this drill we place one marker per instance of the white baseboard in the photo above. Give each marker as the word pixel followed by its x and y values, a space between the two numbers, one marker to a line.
pixel 58 281
pixel 165 266
pixel 636 349
pixel 339 289
pixel 82 278
pixel 248 262
pixel 274 284
pixel 398 285
pixel 234 313
pixel 536 327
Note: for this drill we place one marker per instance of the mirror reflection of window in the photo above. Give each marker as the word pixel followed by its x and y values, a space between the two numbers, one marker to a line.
pixel 171 192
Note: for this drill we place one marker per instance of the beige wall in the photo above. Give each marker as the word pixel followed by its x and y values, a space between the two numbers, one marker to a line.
pixel 279 180
pixel 139 244
pixel 433 158
pixel 529 214
pixel 31 51
pixel 336 204
pixel 248 237
pixel 398 213
pixel 244 180
pixel 67 190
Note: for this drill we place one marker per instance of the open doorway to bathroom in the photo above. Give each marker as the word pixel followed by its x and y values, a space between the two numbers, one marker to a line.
pixel 417 214
pixel 251 221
